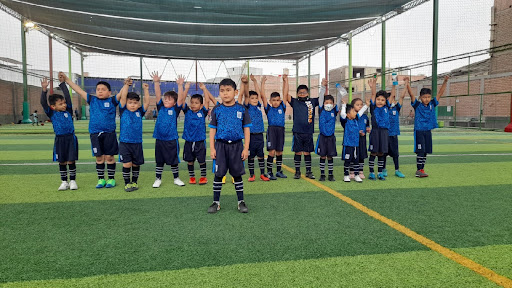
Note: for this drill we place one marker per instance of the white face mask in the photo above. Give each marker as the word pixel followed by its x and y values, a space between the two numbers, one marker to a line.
pixel 328 107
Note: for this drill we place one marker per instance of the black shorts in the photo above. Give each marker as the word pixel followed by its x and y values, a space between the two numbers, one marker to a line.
pixel 423 142
pixel 326 146
pixel 256 145
pixel 131 152
pixel 379 138
pixel 275 138
pixel 393 146
pixel 228 157
pixel 193 151
pixel 350 154
pixel 104 143
pixel 362 150
pixel 167 152
pixel 302 142
pixel 65 148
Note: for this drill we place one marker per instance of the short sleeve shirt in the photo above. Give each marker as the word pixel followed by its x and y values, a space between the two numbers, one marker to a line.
pixel 425 115
pixel 394 120
pixel 256 118
pixel 102 114
pixel 276 116
pixel 195 129
pixel 230 121
pixel 166 128
pixel 380 116
pixel 327 120
pixel 351 133
pixel 304 115
pixel 131 125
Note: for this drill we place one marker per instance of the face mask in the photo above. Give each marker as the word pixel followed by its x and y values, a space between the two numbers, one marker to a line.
pixel 328 107
pixel 303 99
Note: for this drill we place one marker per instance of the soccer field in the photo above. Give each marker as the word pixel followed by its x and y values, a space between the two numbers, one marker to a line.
pixel 440 231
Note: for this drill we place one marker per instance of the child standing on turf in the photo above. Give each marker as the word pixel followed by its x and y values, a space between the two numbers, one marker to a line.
pixel 326 142
pixel 65 149
pixel 394 131
pixel 303 126
pixel 424 121
pixel 35 118
pixel 230 125
pixel 364 128
pixel 350 121
pixel 102 127
pixel 166 130
pixel 130 138
pixel 379 136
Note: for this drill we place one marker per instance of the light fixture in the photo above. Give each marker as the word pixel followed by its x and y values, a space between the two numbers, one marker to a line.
pixel 197 7
pixel 383 18
pixel 29 24
pixel 51 35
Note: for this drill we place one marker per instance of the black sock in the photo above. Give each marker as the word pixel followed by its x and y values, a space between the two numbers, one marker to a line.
pixel 322 166
pixel 100 169
pixel 217 187
pixel 126 175
pixel 191 172
pixel 135 173
pixel 72 171
pixel 175 171
pixel 356 168
pixel 239 187
pixel 63 172
pixel 380 163
pixel 346 167
pixel 330 165
pixel 371 163
pixel 296 159
pixel 307 160
pixel 397 164
pixel 159 170
pixel 424 161
pixel 384 162
pixel 111 170
pixel 361 166
pixel 270 164
pixel 250 163
pixel 261 163
pixel 279 162
pixel 203 169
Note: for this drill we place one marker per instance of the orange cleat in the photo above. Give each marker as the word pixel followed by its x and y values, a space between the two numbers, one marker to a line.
pixel 192 180
pixel 264 177
pixel 252 178
pixel 203 180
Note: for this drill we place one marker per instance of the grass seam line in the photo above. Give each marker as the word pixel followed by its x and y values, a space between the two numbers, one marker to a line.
pixel 450 254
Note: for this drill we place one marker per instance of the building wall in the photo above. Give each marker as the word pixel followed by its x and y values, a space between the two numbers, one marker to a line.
pixel 502 35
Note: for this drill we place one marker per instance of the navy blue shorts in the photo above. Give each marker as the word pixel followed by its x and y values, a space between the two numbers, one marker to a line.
pixel 326 146
pixel 167 152
pixel 228 157
pixel 362 150
pixel 275 138
pixel 393 146
pixel 65 148
pixel 131 152
pixel 379 138
pixel 350 154
pixel 302 142
pixel 104 143
pixel 193 151
pixel 256 145
pixel 423 142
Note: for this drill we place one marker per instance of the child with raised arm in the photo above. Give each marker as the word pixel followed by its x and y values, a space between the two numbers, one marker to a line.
pixel 326 142
pixel 102 127
pixel 65 149
pixel 364 128
pixel 424 122
pixel 230 126
pixel 166 130
pixel 394 131
pixel 303 126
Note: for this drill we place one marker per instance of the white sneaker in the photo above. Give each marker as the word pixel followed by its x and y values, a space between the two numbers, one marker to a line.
pixel 358 179
pixel 346 178
pixel 178 182
pixel 157 183
pixel 72 185
pixel 64 186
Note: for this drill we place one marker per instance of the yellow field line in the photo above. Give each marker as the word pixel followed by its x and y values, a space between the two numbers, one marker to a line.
pixel 450 254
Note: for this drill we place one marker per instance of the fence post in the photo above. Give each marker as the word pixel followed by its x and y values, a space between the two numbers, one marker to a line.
pixel 84 111
pixel 383 68
pixel 26 106
pixel 350 68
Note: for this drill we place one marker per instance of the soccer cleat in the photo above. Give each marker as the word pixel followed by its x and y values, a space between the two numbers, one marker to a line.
pixel 214 208
pixel 297 175
pixel 101 183
pixel 128 187
pixel 361 175
pixel 399 174
pixel 271 176
pixel 224 180
pixel 372 176
pixel 421 173
pixel 310 175
pixel 331 178
pixel 252 178
pixel 203 180
pixel 385 172
pixel 157 183
pixel 192 180
pixel 111 183
pixel 63 186
pixel 351 175
pixel 346 178
pixel 358 179
pixel 381 176
pixel 178 182
pixel 280 174
pixel 242 207
pixel 72 185
pixel 263 177
pixel 322 178
pixel 135 186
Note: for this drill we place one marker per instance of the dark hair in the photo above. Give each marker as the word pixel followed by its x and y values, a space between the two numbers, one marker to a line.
pixel 228 82
pixel 382 93
pixel 349 108
pixel 133 96
pixel 354 101
pixel 328 97
pixel 302 87
pixel 274 95
pixel 252 93
pixel 198 97
pixel 424 91
pixel 104 83
pixel 171 94
pixel 52 99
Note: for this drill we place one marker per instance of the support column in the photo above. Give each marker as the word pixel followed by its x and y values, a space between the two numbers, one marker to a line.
pixel 50 56
pixel 309 72
pixel 26 106
pixel 82 85
pixel 141 89
pixel 383 68
pixel 350 68
pixel 296 74
pixel 327 70
pixel 70 72
pixel 196 75
pixel 434 49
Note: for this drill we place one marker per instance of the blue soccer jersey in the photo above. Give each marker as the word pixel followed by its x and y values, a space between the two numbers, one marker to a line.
pixel 62 121
pixel 425 115
pixel 394 120
pixel 364 122
pixel 327 120
pixel 195 129
pixel 131 125
pixel 276 116
pixel 256 118
pixel 304 115
pixel 380 115
pixel 351 133
pixel 230 121
pixel 102 113
pixel 166 128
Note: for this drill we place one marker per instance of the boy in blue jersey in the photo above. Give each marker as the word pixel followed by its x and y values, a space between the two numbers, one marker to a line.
pixel 379 137
pixel 230 125
pixel 424 122
pixel 130 137
pixel 102 127
pixel 253 106
pixel 394 131
pixel 166 130
pixel 65 149
pixel 349 119
pixel 364 128
pixel 326 142
pixel 303 126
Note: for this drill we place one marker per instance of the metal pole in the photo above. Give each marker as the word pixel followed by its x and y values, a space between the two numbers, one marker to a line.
pixel 196 75
pixel 434 50
pixel 26 106
pixel 84 117
pixel 481 109
pixel 327 70
pixel 70 75
pixel 350 68
pixel 309 71
pixel 50 53
pixel 296 75
pixel 383 68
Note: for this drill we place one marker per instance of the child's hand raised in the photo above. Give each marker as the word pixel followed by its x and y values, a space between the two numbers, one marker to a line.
pixel 253 79
pixel 324 82
pixel 62 77
pixel 368 101
pixel 406 80
pixel 187 85
pixel 201 86
pixel 155 76
pixel 372 82
pixel 44 83
pixel 446 78
pixel 180 80
pixel 145 86
pixel 285 78
pixel 244 79
pixel 263 79
pixel 128 81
